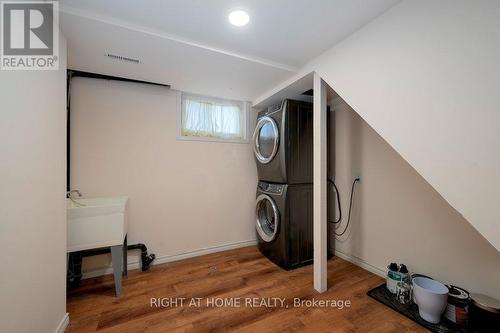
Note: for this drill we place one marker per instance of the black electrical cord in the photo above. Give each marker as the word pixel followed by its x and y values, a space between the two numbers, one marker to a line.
pixel 338 201
pixel 350 207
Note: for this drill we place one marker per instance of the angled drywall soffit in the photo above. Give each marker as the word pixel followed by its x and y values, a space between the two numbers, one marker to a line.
pixel 292 88
pixel 427 84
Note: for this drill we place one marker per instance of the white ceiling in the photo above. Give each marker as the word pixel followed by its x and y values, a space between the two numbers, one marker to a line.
pixel 191 45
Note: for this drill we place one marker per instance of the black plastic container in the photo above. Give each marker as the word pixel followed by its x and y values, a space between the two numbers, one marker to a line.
pixel 484 313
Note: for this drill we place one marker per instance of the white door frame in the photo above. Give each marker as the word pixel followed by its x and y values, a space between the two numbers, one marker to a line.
pixel 319 186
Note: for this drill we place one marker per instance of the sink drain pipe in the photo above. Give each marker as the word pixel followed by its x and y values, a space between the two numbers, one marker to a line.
pixel 74 274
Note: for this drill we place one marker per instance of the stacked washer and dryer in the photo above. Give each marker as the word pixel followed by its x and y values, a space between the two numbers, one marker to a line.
pixel 283 147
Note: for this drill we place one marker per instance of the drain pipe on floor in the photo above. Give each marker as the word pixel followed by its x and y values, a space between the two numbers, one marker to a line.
pixel 74 274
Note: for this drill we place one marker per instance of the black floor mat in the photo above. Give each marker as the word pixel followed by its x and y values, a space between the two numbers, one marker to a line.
pixel 382 295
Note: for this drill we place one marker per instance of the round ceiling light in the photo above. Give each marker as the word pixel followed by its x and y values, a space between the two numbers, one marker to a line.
pixel 239 18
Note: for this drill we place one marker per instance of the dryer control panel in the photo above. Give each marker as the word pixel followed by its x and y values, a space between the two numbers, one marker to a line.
pixel 271 109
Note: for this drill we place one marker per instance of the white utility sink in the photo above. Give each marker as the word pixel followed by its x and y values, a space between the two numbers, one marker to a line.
pixel 99 223
pixel 96 222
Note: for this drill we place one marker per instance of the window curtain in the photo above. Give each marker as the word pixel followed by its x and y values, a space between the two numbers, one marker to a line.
pixel 212 119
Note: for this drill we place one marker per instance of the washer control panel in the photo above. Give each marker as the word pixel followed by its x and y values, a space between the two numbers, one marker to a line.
pixel 271 188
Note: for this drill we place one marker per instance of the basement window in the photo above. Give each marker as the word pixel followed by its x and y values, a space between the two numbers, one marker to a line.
pixel 212 119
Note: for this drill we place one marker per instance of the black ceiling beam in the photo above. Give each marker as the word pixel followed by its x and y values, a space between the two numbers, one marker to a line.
pixel 76 73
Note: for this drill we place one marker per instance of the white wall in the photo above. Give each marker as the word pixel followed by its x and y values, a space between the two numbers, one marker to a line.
pixel 32 199
pixel 426 76
pixel 398 217
pixel 184 195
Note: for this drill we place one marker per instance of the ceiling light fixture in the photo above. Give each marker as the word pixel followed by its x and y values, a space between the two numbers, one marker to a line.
pixel 239 18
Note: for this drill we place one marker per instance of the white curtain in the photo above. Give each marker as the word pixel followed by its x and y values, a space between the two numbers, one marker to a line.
pixel 213 119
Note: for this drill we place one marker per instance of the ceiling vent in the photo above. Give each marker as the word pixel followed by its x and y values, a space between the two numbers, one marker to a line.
pixel 123 58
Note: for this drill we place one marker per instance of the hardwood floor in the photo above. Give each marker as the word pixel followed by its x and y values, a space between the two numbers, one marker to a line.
pixel 242 275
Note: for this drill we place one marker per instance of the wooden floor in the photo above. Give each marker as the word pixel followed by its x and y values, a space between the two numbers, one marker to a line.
pixel 241 274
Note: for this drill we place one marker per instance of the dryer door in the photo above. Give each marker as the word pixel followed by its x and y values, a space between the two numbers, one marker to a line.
pixel 267 218
pixel 266 140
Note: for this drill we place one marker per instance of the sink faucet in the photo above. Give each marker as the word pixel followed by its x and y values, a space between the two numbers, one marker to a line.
pixel 68 194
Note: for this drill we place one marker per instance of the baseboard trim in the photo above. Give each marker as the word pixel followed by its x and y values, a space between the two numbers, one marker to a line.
pixel 180 256
pixel 63 324
pixel 361 263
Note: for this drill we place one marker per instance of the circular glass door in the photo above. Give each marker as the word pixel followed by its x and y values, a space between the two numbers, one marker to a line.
pixel 265 139
pixel 267 218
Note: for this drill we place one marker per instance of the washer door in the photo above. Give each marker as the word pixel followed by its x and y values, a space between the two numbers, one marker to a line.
pixel 267 218
pixel 265 139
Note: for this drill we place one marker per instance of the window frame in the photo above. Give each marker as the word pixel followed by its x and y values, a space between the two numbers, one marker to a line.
pixel 244 110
